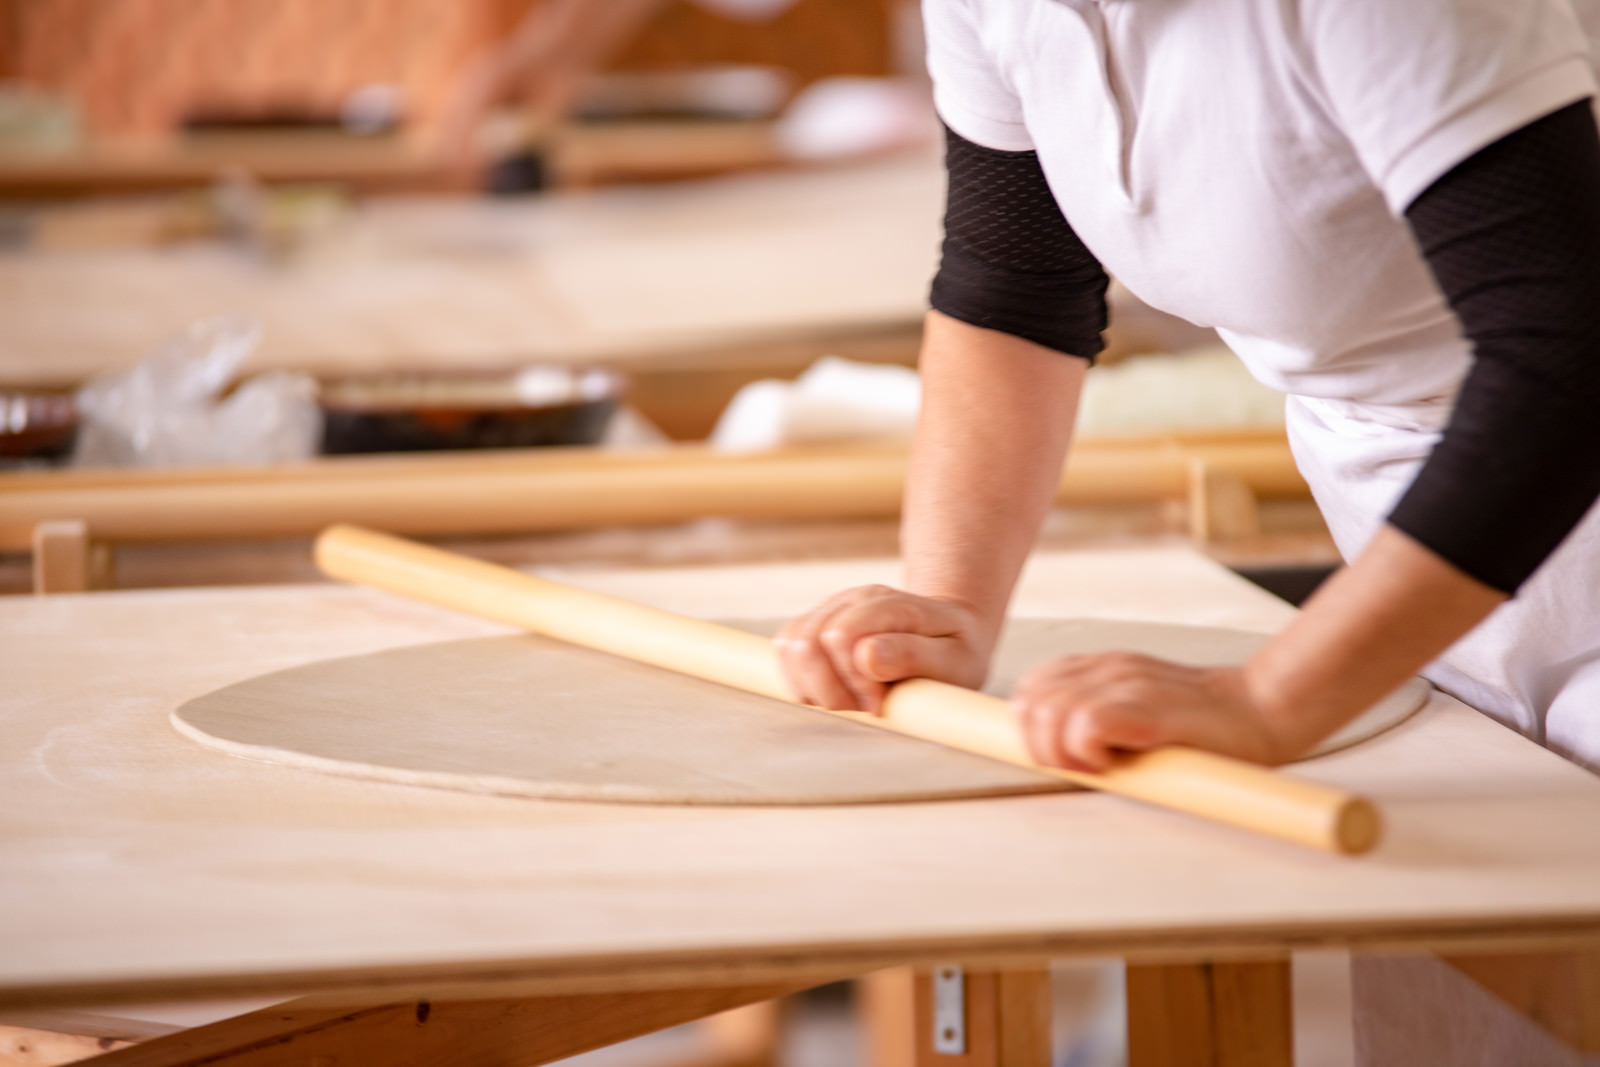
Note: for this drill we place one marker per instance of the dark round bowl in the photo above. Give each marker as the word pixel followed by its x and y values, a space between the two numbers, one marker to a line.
pixel 38 426
pixel 413 413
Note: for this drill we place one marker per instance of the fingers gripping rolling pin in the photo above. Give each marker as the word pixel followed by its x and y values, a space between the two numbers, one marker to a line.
pixel 1200 783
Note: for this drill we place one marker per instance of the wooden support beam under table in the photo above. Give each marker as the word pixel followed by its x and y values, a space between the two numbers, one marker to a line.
pixel 1210 1015
pixel 527 1031
pixel 523 491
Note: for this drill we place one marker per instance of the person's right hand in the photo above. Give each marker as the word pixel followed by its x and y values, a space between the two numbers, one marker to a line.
pixel 496 78
pixel 846 652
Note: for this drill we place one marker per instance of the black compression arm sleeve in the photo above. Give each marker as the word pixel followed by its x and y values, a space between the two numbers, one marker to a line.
pixel 1513 237
pixel 1011 263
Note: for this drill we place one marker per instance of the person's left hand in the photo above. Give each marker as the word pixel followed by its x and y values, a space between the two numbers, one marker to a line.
pixel 1078 712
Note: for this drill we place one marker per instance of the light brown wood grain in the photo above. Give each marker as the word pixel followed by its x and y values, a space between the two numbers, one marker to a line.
pixel 1210 1015
pixel 49 1038
pixel 23 1046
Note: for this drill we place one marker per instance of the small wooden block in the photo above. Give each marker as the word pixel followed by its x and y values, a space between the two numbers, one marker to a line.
pixel 1221 505
pixel 1210 1015
pixel 61 556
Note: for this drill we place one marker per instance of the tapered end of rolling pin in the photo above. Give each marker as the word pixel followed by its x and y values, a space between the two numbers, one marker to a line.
pixel 1357 826
pixel 1246 795
pixel 341 551
pixel 1185 779
pixel 324 549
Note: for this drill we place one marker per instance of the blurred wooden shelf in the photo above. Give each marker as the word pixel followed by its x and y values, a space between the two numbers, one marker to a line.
pixel 584 155
pixel 693 288
pixel 114 167
pixel 586 505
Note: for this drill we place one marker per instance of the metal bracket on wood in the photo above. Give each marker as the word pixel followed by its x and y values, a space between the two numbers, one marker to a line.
pixel 949 1011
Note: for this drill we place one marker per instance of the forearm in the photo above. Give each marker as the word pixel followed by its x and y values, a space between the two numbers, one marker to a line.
pixel 1374 624
pixel 997 414
pixel 1511 235
pixel 571 36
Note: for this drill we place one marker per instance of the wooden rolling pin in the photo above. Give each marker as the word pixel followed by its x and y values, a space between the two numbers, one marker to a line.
pixel 1214 787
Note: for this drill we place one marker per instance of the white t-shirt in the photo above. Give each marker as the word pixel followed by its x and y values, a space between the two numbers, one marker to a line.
pixel 1244 163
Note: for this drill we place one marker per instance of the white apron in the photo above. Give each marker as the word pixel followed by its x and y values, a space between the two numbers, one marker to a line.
pixel 1245 165
pixel 1534 664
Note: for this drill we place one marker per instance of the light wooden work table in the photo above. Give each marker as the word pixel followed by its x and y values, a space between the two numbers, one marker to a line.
pixel 679 285
pixel 693 289
pixel 136 866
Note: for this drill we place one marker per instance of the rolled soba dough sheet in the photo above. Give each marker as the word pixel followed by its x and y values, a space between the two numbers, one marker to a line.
pixel 528 716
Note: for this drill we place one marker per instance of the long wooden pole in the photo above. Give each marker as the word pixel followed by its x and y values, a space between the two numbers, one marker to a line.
pixel 432 496
pixel 1203 784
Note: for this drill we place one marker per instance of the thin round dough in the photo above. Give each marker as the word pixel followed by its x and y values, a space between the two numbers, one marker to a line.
pixel 528 716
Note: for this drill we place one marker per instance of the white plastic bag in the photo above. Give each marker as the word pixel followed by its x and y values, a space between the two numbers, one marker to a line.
pixel 834 400
pixel 169 410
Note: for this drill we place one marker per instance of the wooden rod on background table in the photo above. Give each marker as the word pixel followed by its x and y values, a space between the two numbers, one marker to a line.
pixel 504 493
pixel 1214 787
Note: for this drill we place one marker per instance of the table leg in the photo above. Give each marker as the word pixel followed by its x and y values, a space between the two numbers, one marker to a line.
pixel 1003 1017
pixel 1560 992
pixel 744 1037
pixel 886 1005
pixel 1210 1015
pixel 1462 1010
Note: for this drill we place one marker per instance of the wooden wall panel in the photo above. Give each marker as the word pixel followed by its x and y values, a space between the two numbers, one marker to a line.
pixel 140 66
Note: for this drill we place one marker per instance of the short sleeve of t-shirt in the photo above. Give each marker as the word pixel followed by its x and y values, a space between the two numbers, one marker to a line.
pixel 971 97
pixel 1482 69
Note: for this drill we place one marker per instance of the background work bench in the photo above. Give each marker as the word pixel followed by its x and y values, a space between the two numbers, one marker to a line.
pixel 136 866
pixel 692 289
